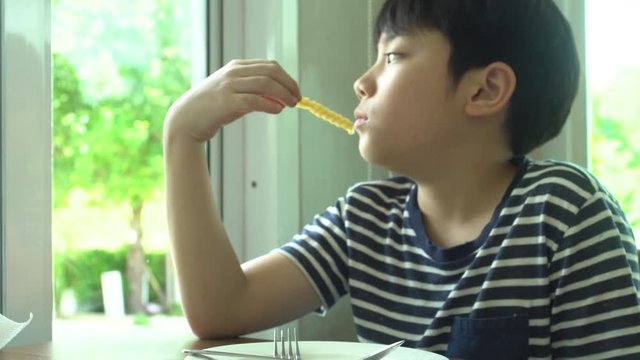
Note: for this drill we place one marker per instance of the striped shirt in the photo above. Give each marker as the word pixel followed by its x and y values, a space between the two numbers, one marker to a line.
pixel 554 274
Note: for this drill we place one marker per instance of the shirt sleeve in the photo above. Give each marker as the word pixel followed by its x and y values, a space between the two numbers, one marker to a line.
pixel 594 277
pixel 320 252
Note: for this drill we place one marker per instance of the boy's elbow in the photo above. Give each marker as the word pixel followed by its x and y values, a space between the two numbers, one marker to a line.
pixel 205 330
pixel 211 327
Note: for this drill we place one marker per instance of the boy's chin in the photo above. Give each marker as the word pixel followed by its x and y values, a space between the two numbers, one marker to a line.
pixel 365 152
pixel 388 160
pixel 372 155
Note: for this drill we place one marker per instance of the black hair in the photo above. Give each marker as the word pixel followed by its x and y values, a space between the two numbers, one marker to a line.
pixel 531 36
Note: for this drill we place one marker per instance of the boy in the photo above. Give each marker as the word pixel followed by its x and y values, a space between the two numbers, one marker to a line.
pixel 475 251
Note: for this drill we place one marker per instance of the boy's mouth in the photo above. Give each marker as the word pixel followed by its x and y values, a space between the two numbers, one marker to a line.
pixel 361 119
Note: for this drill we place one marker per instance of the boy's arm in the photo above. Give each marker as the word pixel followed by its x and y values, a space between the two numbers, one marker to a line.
pixel 221 297
pixel 596 305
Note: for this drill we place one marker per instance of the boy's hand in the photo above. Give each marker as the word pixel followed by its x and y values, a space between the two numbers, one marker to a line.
pixel 218 293
pixel 236 89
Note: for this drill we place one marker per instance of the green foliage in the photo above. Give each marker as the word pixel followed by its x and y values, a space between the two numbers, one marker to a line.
pixel 111 146
pixel 176 310
pixel 117 67
pixel 615 150
pixel 82 270
pixel 70 114
pixel 141 319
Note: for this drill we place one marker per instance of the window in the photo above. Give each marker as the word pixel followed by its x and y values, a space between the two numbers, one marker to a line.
pixel 117 66
pixel 613 75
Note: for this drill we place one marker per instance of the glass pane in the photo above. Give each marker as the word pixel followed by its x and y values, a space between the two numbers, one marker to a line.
pixel 613 75
pixel 117 66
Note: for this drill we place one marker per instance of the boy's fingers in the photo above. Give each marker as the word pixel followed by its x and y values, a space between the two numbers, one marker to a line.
pixel 284 78
pixel 264 85
pixel 274 99
pixel 245 62
pixel 269 69
pixel 252 102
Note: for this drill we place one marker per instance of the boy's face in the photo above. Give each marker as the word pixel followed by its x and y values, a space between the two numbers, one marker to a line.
pixel 409 108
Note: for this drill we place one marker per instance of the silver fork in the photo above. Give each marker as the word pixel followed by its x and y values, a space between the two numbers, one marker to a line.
pixel 281 349
pixel 286 351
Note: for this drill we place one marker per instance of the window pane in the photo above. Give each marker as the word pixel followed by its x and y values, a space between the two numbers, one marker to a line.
pixel 613 72
pixel 117 66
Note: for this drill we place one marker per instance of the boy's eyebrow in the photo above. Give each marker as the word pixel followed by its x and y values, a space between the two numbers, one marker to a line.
pixel 385 39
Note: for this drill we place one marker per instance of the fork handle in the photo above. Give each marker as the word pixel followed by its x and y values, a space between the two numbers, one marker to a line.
pixel 225 353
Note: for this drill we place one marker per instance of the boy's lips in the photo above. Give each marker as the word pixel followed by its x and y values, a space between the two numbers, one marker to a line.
pixel 361 119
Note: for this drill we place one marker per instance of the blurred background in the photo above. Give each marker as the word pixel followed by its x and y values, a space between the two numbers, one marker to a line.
pixel 117 67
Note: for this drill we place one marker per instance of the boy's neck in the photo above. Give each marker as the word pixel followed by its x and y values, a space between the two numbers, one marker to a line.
pixel 456 208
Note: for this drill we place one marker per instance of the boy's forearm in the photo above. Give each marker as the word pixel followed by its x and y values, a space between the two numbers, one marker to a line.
pixel 209 272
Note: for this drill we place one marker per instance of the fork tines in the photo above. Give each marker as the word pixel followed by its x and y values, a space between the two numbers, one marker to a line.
pixel 286 350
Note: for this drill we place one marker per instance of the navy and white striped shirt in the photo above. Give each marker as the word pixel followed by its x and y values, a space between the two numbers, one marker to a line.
pixel 553 275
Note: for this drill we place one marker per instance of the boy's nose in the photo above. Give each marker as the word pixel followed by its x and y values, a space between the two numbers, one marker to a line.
pixel 362 88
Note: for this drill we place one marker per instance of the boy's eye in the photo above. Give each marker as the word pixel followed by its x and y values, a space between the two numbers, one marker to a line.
pixel 391 57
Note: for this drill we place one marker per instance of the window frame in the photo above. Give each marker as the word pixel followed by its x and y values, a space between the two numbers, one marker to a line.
pixel 26 257
pixel 26 263
pixel 2 250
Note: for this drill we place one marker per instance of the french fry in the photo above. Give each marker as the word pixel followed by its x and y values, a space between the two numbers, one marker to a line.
pixel 326 114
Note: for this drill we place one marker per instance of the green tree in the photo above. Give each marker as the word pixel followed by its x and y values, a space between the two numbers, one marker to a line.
pixel 70 114
pixel 111 147
pixel 616 138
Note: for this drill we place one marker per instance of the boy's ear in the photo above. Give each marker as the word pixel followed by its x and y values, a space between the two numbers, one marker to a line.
pixel 491 89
